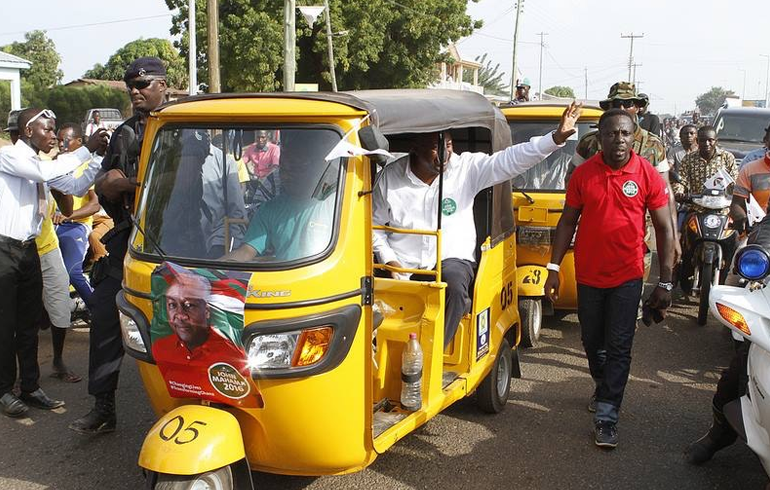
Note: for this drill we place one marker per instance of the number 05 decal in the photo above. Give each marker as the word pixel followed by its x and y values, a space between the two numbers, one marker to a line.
pixel 175 430
pixel 506 295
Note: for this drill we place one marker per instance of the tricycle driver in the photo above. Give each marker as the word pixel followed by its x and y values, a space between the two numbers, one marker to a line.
pixel 406 197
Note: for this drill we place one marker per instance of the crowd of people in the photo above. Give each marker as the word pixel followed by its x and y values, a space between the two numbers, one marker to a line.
pixel 631 167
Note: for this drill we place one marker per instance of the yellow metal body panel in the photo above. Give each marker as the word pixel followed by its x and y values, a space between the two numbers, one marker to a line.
pixel 547 111
pixel 192 439
pixel 530 280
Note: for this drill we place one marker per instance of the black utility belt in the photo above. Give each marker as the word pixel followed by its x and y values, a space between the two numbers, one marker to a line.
pixel 17 243
pixel 117 230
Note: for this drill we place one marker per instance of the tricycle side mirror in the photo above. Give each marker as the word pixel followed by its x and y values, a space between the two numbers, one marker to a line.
pixel 373 139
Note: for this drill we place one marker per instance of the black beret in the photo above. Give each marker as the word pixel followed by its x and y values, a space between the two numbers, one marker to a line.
pixel 148 66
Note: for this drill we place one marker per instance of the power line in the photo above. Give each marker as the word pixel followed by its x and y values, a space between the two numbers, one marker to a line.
pixel 92 24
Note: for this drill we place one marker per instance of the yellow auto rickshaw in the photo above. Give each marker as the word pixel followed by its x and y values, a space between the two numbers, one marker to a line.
pixel 289 361
pixel 538 200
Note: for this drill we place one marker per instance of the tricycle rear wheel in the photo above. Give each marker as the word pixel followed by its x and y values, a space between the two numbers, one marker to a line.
pixel 531 313
pixel 492 393
pixel 221 479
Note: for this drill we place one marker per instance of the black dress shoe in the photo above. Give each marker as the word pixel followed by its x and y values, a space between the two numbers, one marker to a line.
pixel 39 399
pixel 12 406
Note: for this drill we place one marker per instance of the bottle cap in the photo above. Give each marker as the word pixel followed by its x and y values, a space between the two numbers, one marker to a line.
pixel 412 336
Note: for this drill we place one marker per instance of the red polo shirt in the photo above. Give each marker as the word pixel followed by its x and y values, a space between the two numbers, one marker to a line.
pixel 609 247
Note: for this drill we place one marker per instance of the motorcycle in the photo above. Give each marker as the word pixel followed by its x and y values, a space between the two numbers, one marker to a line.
pixel 708 244
pixel 746 311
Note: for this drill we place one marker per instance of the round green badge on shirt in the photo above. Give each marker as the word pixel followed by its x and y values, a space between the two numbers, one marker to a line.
pixel 630 188
pixel 448 206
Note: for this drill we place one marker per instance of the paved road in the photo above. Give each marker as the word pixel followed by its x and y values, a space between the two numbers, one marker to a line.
pixel 542 440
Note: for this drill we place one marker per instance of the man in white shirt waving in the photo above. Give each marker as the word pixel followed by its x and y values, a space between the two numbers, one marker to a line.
pixel 407 197
pixel 23 177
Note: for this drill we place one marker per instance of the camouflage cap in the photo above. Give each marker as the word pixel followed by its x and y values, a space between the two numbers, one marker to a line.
pixel 620 91
pixel 13 120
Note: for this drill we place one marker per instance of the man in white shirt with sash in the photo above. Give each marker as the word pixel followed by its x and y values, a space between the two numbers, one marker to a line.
pixel 406 197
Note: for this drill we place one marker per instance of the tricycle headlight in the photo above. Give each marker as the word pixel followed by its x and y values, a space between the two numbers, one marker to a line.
pixel 132 337
pixel 286 350
pixel 272 351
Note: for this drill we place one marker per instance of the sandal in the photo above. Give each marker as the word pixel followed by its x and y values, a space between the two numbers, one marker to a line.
pixel 66 376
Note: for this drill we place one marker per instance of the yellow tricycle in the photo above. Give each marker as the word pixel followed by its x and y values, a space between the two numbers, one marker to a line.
pixel 263 336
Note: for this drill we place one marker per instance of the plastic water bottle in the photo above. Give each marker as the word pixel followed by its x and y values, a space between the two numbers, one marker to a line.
pixel 411 375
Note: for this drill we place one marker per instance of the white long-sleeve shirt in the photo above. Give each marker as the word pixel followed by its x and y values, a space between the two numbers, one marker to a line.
pixel 21 169
pixel 402 200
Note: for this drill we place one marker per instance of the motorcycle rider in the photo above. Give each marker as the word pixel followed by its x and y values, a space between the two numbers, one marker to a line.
pixel 698 166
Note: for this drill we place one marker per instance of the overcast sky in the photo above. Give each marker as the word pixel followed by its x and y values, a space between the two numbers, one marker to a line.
pixel 688 45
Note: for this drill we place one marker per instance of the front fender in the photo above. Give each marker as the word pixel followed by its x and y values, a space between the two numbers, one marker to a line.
pixel 708 252
pixel 192 439
pixel 530 280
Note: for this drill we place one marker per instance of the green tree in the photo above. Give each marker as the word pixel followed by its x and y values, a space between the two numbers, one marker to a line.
pixel 491 78
pixel 560 91
pixel 388 44
pixel 710 101
pixel 176 66
pixel 41 51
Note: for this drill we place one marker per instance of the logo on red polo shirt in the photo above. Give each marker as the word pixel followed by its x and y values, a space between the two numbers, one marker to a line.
pixel 630 188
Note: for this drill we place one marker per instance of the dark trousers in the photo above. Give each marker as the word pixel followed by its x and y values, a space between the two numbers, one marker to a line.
pixel 458 274
pixel 607 325
pixel 732 384
pixel 106 343
pixel 21 305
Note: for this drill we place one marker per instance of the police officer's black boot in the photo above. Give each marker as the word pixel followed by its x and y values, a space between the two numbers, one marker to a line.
pixel 720 435
pixel 101 419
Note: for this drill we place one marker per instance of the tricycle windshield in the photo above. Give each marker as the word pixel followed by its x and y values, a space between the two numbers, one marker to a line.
pixel 262 197
pixel 549 174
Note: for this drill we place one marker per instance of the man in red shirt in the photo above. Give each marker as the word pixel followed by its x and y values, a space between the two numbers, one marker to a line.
pixel 610 194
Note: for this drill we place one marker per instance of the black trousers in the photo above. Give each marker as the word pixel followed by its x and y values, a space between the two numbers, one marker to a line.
pixel 607 326
pixel 21 305
pixel 733 382
pixel 106 343
pixel 458 274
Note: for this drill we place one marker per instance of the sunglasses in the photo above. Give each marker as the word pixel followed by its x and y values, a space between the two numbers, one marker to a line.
pixel 625 104
pixel 140 83
pixel 46 113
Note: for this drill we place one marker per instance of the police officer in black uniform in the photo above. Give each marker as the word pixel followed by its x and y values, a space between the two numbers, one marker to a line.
pixel 116 186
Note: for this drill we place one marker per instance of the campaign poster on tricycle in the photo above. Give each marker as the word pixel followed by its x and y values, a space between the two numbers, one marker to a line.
pixel 198 319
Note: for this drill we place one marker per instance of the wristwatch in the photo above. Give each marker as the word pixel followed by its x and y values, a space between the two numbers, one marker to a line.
pixel 668 286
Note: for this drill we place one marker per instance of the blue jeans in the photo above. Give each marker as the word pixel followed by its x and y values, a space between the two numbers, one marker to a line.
pixel 73 242
pixel 607 325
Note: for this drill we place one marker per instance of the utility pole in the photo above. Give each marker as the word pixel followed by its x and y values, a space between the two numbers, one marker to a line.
pixel 540 82
pixel 632 36
pixel 767 77
pixel 330 46
pixel 743 92
pixel 633 77
pixel 192 55
pixel 519 5
pixel 212 7
pixel 585 73
pixel 289 44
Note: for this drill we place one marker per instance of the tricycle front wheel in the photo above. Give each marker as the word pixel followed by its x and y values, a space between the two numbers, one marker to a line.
pixel 221 479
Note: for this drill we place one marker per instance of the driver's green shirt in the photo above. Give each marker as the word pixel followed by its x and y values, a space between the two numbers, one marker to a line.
pixel 288 228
